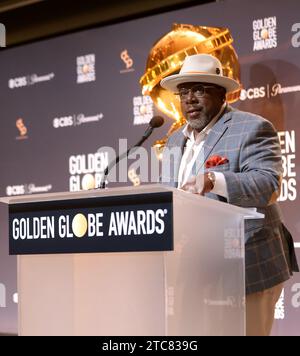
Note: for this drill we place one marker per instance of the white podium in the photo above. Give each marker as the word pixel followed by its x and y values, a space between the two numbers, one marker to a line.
pixel 196 289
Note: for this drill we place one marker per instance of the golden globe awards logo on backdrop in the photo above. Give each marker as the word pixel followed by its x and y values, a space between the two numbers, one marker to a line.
pixel 143 109
pixel 86 71
pixel 86 170
pixel 128 62
pixel 264 33
pixel 287 141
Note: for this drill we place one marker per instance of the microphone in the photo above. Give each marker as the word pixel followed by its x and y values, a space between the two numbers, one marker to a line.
pixel 156 121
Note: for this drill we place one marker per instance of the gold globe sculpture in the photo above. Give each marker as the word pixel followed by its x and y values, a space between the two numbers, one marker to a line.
pixel 167 56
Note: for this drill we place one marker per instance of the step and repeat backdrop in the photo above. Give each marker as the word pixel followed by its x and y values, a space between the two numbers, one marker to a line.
pixel 62 99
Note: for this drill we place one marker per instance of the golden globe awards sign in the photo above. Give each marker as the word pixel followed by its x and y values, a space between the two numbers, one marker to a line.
pixel 106 224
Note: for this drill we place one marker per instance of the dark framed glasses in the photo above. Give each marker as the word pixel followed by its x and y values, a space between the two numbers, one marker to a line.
pixel 198 90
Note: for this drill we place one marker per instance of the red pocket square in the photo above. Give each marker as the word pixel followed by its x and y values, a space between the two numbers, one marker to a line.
pixel 215 161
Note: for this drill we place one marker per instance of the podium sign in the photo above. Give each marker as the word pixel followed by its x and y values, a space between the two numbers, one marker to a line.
pixel 124 223
pixel 144 286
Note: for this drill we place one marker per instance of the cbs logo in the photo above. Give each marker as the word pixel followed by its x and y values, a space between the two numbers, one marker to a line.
pixel 15 190
pixel 17 82
pixel 253 93
pixel 65 121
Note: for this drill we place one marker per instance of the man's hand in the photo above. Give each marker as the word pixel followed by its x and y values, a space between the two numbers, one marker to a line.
pixel 199 184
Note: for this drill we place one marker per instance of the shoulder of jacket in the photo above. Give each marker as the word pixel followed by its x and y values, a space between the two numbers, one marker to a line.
pixel 239 117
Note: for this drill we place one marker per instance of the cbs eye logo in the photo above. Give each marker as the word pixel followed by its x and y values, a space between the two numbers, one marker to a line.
pixel 15 190
pixel 18 82
pixel 65 121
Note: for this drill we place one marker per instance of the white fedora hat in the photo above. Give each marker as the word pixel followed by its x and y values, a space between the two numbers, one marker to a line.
pixel 203 68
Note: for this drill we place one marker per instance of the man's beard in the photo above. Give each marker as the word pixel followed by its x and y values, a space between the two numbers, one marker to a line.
pixel 200 123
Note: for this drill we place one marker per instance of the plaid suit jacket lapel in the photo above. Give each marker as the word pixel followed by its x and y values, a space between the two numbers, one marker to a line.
pixel 180 141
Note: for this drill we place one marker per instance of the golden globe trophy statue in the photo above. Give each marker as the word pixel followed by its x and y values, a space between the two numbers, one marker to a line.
pixel 166 57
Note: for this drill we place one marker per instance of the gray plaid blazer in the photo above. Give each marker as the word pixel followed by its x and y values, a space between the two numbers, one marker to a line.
pixel 253 178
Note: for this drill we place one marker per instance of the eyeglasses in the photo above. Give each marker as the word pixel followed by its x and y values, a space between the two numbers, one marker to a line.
pixel 198 90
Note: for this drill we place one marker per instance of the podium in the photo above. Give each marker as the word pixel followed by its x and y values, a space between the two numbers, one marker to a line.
pixel 179 273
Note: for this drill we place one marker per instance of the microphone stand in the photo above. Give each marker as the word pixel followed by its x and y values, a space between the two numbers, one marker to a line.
pixel 147 133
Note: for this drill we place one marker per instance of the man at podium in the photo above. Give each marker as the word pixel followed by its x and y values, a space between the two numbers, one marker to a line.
pixel 234 157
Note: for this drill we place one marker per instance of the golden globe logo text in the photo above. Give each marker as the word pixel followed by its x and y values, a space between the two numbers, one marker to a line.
pixel 121 223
